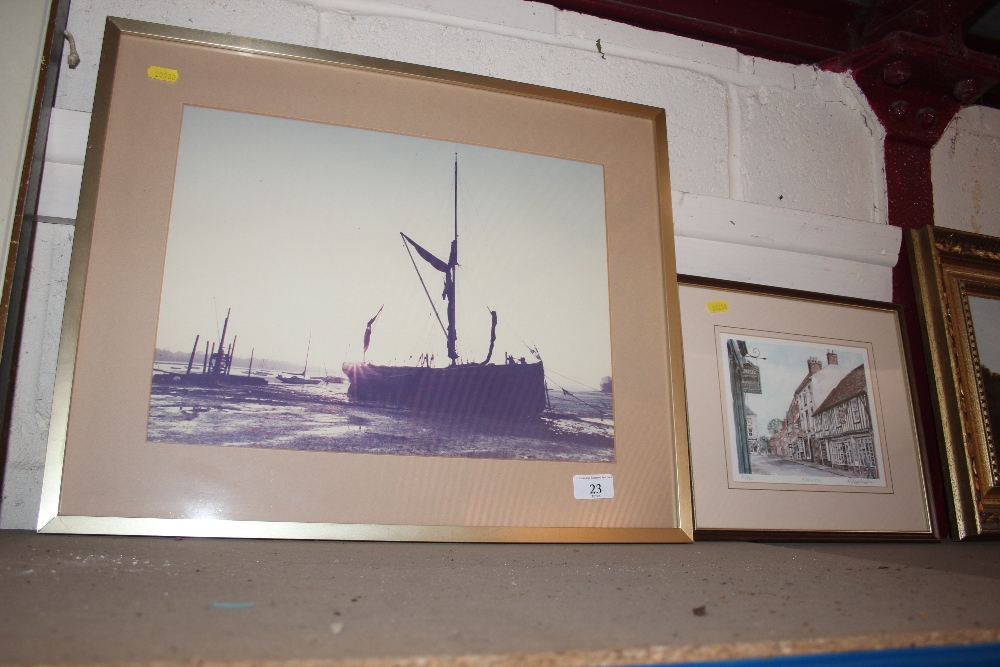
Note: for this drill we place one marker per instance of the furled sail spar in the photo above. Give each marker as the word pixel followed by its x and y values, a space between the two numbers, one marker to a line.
pixel 448 269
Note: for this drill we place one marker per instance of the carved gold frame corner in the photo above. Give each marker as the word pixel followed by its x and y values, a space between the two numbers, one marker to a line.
pixel 948 267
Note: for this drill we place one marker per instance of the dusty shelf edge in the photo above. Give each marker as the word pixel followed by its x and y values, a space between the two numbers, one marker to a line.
pixel 677 653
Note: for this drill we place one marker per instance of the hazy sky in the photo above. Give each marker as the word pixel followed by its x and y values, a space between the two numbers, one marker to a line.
pixel 782 367
pixel 295 226
pixel 986 323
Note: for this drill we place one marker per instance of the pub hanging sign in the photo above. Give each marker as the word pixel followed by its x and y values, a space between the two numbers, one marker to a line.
pixel 751 378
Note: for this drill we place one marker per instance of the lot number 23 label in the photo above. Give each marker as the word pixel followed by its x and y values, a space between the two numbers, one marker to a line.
pixel 589 487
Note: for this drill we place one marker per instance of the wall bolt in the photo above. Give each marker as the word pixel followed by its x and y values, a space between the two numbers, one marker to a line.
pixel 966 91
pixel 927 117
pixel 900 109
pixel 897 72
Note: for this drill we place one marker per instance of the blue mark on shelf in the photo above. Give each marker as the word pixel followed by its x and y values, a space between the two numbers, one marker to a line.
pixel 967 655
pixel 231 605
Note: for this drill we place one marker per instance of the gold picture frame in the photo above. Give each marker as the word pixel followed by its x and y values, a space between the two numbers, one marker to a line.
pixel 105 473
pixel 957 278
pixel 802 424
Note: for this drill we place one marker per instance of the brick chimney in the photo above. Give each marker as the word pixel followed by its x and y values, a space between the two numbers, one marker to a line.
pixel 831 358
pixel 814 365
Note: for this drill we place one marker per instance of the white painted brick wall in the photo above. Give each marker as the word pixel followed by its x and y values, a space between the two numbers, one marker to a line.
pixel 695 103
pixel 777 169
pixel 965 168
pixel 796 154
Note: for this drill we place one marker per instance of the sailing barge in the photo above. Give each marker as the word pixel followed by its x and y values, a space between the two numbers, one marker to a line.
pixel 501 392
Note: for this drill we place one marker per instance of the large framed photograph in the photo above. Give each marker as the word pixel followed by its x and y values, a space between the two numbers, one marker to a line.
pixel 319 295
pixel 801 416
pixel 957 276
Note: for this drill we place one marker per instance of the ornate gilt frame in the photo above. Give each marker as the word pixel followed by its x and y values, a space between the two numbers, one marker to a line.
pixel 949 266
pixel 102 469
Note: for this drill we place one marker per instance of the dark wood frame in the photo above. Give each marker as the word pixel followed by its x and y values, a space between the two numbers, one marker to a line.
pixel 937 530
pixel 23 222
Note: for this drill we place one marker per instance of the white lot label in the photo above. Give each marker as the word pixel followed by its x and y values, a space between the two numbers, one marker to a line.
pixel 586 487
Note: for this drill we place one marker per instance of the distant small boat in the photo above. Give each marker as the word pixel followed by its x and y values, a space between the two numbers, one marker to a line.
pixel 296 379
pixel 300 378
pixel 331 379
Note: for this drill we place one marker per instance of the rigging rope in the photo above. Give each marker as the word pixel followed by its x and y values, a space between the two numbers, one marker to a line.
pixel 567 392
pixel 566 377
pixel 424 285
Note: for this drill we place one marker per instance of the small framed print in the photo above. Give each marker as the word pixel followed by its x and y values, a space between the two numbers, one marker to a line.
pixel 318 295
pixel 813 423
pixel 801 419
pixel 957 276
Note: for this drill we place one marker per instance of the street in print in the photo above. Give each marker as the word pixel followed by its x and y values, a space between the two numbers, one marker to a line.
pixel 799 412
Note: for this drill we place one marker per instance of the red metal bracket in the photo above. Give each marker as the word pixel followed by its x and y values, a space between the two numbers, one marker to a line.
pixel 915 85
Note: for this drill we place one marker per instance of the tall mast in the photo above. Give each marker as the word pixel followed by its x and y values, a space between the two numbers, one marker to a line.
pixel 308 345
pixel 450 280
pixel 449 269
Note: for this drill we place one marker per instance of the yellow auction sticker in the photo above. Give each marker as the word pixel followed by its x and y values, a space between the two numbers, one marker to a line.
pixel 162 74
pixel 717 306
